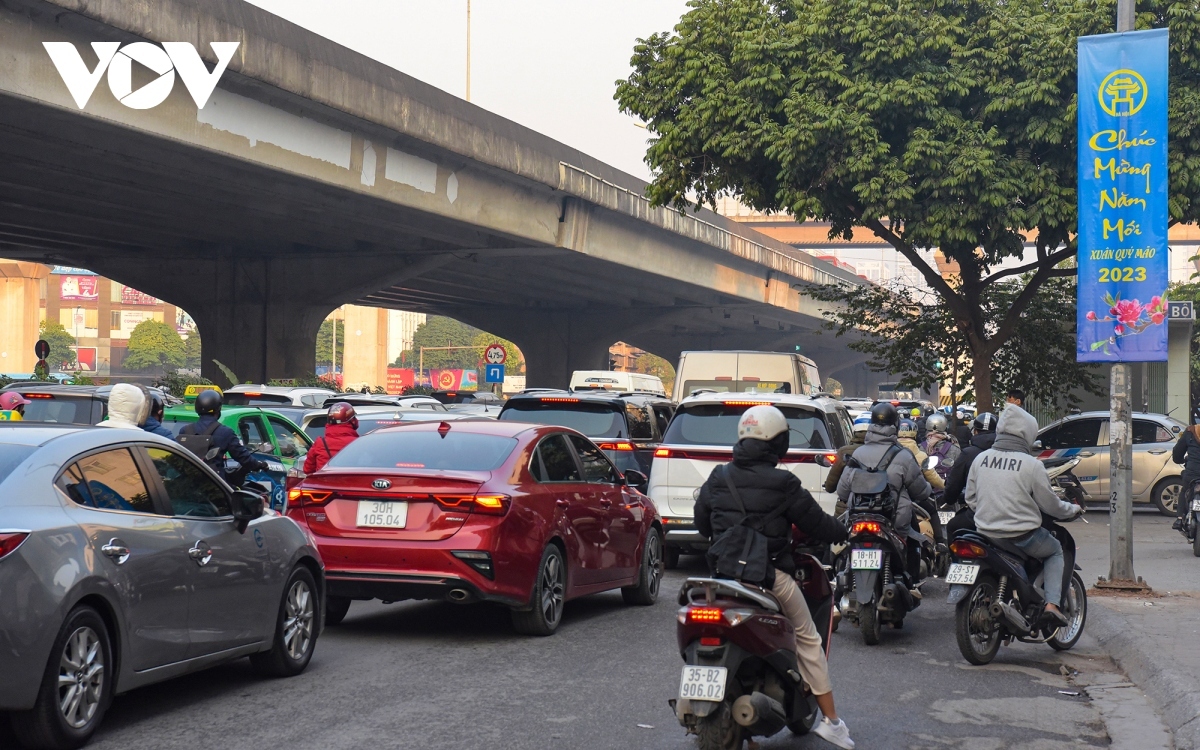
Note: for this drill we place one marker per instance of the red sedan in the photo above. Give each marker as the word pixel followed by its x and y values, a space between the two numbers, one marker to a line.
pixel 526 515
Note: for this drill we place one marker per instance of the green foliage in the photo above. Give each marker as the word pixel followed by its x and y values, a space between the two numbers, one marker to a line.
pixel 416 390
pixel 514 365
pixel 1184 292
pixel 229 374
pixel 60 341
pixel 325 343
pixel 154 345
pixel 176 384
pixel 652 364
pixel 933 124
pixel 834 387
pixel 437 331
pixel 192 350
pixel 309 380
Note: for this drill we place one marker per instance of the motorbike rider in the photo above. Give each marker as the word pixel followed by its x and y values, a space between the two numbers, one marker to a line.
pixel 14 402
pixel 208 408
pixel 917 417
pixel 839 463
pixel 962 430
pixel 153 422
pixel 938 442
pixel 1187 452
pixel 763 439
pixel 906 435
pixel 983 434
pixel 125 405
pixel 341 429
pixel 1009 490
pixel 904 475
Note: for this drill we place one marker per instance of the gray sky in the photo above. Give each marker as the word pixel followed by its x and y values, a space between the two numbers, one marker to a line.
pixel 547 64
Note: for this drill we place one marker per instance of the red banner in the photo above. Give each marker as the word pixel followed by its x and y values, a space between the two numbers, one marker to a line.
pixel 131 296
pixel 78 287
pixel 399 378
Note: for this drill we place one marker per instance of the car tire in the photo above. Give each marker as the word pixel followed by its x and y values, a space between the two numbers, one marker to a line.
pixel 650 573
pixel 336 608
pixel 547 598
pixel 670 557
pixel 295 628
pixel 82 650
pixel 1167 494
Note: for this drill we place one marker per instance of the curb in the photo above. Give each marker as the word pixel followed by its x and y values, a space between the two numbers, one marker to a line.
pixel 1174 691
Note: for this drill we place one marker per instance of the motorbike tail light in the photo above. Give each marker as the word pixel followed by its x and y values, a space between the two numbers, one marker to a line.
pixel 10 540
pixel 662 453
pixel 866 527
pixel 706 615
pixel 961 548
pixel 495 505
pixel 710 641
pixel 621 446
pixel 306 498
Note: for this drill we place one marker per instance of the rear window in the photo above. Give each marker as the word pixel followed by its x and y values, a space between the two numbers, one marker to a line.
pixel 60 409
pixel 716 424
pixel 11 457
pixel 729 385
pixel 425 449
pixel 255 399
pixel 593 420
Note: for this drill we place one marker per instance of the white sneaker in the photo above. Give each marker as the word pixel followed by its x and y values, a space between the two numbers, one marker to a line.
pixel 835 734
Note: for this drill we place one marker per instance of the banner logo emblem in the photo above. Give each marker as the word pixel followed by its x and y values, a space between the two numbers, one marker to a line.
pixel 1122 93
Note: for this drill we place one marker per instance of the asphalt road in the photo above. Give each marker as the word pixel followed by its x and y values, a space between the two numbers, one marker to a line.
pixel 434 675
pixel 1162 557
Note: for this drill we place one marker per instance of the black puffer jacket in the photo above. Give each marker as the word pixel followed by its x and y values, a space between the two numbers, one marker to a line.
pixel 956 483
pixel 762 488
pixel 1187 452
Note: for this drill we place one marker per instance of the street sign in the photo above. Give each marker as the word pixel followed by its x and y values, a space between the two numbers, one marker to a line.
pixel 495 354
pixel 42 349
pixel 493 374
pixel 1181 311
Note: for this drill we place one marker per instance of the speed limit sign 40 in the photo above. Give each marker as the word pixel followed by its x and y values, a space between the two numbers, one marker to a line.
pixel 495 354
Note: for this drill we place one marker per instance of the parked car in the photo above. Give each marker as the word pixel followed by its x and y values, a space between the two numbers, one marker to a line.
pixel 857 405
pixel 380 399
pixel 702 435
pixel 125 561
pixel 270 436
pixel 745 372
pixel 467 397
pixel 627 426
pixel 277 395
pixel 65 404
pixel 1156 478
pixel 528 516
pixel 371 418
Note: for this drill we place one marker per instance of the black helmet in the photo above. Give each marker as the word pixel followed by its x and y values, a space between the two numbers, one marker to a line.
pixel 208 402
pixel 884 414
pixel 985 422
pixel 157 405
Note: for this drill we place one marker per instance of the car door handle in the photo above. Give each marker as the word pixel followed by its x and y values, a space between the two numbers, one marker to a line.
pixel 1086 454
pixel 1158 452
pixel 562 503
pixel 117 550
pixel 200 553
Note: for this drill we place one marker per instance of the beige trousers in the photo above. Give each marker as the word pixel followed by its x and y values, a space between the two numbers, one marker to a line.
pixel 809 652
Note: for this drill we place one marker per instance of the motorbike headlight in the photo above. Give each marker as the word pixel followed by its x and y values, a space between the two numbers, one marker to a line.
pixel 737 616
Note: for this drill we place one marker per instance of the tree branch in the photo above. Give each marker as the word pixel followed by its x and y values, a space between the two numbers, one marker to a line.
pixel 1050 260
pixel 1005 330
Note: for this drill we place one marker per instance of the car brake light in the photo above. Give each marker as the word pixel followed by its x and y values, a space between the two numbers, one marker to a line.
pixel 304 498
pixel 744 403
pixel 710 641
pixel 704 614
pixel 662 453
pixel 962 548
pixel 616 446
pixel 248 393
pixel 492 505
pixel 560 400
pixel 866 527
pixel 37 395
pixel 10 540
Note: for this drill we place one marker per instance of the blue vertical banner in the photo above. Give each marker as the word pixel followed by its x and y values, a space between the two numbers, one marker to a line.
pixel 1124 266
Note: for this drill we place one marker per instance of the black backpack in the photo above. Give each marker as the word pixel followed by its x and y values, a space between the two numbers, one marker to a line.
pixel 741 552
pixel 200 443
pixel 870 490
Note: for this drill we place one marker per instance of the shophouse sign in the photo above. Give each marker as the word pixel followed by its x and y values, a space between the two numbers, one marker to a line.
pixel 117 61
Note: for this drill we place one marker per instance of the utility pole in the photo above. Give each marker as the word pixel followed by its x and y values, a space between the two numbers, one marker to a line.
pixel 468 50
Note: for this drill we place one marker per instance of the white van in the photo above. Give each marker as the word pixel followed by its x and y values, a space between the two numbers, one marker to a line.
pixel 745 372
pixel 620 382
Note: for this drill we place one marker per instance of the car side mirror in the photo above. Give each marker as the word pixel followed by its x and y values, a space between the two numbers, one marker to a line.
pixel 1037 444
pixel 247 506
pixel 637 480
pixel 930 462
pixel 287 450
pixel 824 460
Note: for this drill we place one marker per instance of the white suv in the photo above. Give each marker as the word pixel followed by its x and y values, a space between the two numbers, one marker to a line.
pixel 701 436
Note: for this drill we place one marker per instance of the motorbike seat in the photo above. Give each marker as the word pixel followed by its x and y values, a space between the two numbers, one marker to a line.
pixel 1010 548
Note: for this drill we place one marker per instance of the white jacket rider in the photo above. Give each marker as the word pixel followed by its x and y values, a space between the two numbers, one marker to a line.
pixel 126 404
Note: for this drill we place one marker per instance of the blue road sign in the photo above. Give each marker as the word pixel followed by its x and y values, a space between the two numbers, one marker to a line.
pixel 493 374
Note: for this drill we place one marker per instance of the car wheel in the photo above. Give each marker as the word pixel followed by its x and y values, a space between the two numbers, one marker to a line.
pixel 548 597
pixel 76 688
pixel 670 557
pixel 1166 495
pixel 295 629
pixel 336 608
pixel 649 573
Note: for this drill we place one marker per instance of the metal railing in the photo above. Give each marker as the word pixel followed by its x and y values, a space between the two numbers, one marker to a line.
pixel 594 189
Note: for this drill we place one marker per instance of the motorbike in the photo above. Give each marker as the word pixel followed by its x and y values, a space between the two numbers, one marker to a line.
pixel 1191 520
pixel 998 593
pixel 740 677
pixel 1066 485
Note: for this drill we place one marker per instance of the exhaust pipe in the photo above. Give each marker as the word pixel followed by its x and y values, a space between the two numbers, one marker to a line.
pixel 894 591
pixel 1014 618
pixel 459 596
pixel 759 712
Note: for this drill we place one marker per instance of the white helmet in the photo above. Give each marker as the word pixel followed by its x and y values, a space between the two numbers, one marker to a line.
pixel 762 423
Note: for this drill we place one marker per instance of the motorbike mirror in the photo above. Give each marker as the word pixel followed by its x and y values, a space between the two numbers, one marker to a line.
pixel 265 448
pixel 930 462
pixel 1037 444
pixel 231 466
pixel 636 480
pixel 247 506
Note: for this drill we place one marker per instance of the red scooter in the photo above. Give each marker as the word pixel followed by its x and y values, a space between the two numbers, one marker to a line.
pixel 740 676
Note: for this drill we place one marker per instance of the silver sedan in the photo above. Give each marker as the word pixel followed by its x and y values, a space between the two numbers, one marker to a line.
pixel 125 561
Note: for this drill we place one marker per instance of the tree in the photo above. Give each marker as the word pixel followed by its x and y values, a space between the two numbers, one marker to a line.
pixel 1190 291
pixel 192 349
pixel 834 387
pixel 154 345
pixel 652 364
pixel 325 343
pixel 440 331
pixel 60 341
pixel 514 365
pixel 933 124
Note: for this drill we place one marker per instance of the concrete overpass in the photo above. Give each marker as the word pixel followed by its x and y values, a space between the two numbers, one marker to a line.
pixel 314 176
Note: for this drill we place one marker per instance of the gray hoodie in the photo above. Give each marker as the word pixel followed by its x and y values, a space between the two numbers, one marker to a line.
pixel 1008 488
pixel 904 474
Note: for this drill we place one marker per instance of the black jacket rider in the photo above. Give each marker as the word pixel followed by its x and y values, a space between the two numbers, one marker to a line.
pixel 762 488
pixel 956 483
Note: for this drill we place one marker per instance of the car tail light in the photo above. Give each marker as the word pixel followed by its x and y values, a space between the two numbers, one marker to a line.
pixel 38 395
pixel 10 540
pixel 621 446
pixel 489 504
pixel 558 400
pixel 662 453
pixel 744 403
pixel 704 614
pixel 710 641
pixel 866 527
pixel 962 548
pixel 306 498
